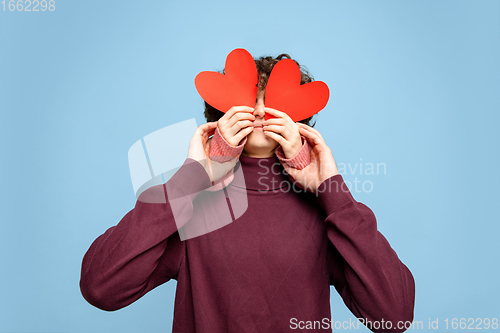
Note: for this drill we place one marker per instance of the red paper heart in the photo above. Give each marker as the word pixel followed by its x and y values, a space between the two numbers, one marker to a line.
pixel 285 93
pixel 237 87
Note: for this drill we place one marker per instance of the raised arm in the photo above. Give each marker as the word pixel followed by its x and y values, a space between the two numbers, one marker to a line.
pixel 365 270
pixel 144 249
pixel 374 284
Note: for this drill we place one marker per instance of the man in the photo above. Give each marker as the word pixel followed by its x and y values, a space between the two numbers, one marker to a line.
pixel 270 269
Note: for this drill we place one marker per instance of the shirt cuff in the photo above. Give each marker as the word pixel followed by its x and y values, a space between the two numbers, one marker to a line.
pixel 222 151
pixel 299 161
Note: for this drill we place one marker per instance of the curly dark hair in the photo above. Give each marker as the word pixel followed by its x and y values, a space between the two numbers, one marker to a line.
pixel 264 67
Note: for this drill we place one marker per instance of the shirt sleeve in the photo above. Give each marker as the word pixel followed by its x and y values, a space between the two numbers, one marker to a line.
pixel 300 160
pixel 144 249
pixel 367 273
pixel 222 151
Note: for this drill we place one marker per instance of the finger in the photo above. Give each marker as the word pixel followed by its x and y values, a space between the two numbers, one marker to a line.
pixel 236 109
pixel 204 130
pixel 275 121
pixel 283 132
pixel 211 132
pixel 276 137
pixel 307 130
pixel 291 131
pixel 303 125
pixel 310 129
pixel 242 123
pixel 238 121
pixel 290 128
pixel 207 127
pixel 304 131
pixel 278 129
pixel 243 133
pixel 239 125
pixel 317 143
pixel 241 115
pixel 312 137
pixel 241 118
pixel 225 123
pixel 278 114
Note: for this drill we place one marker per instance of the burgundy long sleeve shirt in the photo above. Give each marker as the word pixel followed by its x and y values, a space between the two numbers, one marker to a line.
pixel 269 270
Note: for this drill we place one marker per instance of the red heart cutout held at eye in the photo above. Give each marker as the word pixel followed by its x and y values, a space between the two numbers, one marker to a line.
pixel 237 87
pixel 285 93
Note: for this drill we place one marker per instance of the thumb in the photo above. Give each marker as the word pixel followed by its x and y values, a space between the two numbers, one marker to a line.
pixel 291 171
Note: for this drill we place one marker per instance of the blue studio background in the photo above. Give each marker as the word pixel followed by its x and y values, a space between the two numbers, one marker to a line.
pixel 414 88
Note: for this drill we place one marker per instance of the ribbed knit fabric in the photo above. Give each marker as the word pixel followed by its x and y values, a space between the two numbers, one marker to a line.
pixel 299 161
pixel 222 151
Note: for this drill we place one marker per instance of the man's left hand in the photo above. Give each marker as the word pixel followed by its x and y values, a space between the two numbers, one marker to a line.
pixel 322 164
pixel 283 130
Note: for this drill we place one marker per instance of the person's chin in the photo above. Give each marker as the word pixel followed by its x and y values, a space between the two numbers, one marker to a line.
pixel 261 143
pixel 260 139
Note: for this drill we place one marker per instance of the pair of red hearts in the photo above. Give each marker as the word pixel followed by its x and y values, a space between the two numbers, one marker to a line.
pixel 283 91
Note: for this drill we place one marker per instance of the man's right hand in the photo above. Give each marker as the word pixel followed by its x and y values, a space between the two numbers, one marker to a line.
pixel 236 124
pixel 199 150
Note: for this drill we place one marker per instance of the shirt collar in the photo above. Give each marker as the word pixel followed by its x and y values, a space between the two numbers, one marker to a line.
pixel 261 174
